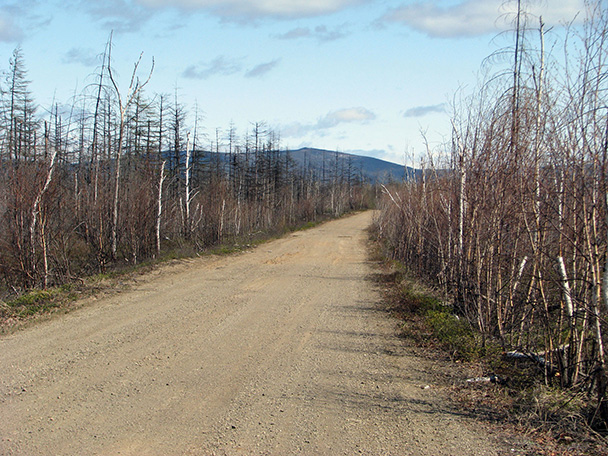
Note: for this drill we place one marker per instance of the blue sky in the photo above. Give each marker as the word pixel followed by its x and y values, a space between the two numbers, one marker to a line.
pixel 359 76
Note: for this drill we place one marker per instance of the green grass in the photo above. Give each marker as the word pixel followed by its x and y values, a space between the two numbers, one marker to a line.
pixel 435 321
pixel 32 302
pixel 228 249
pixel 302 227
pixel 32 298
pixel 454 334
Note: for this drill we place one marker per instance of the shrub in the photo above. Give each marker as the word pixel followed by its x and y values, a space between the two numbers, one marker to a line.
pixel 452 332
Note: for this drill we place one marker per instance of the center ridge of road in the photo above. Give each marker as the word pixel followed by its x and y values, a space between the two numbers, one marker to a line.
pixel 280 350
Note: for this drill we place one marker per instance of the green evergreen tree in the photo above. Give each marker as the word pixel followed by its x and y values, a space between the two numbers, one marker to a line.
pixel 19 111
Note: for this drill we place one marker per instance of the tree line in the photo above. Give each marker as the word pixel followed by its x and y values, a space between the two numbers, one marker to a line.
pixel 121 176
pixel 511 221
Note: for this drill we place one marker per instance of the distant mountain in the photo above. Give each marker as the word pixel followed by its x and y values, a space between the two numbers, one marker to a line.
pixel 372 170
pixel 325 164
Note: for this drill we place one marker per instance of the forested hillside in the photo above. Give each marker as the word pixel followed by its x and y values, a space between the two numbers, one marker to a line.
pixel 373 170
pixel 516 232
pixel 119 177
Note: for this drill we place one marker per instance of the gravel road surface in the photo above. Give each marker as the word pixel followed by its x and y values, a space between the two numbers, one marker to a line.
pixel 280 350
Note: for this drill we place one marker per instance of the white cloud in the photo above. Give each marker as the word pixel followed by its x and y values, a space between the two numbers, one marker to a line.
pixel 232 9
pixel 320 33
pixel 218 66
pixel 9 31
pixel 295 130
pixel 262 69
pixel 16 16
pixel 117 15
pixel 298 32
pixel 86 57
pixel 132 15
pixel 476 17
pixel 357 115
pixel 226 66
pixel 420 111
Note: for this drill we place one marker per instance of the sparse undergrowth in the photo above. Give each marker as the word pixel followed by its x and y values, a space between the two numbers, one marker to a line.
pixel 19 308
pixel 510 393
pixel 33 304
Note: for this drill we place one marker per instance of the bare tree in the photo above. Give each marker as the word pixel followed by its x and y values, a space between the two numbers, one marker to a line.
pixel 133 90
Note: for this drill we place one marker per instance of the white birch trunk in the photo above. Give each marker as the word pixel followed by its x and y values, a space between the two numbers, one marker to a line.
pixel 605 275
pixel 117 188
pixel 187 190
pixel 565 286
pixel 36 206
pixel 45 257
pixel 222 219
pixel 520 273
pixel 160 205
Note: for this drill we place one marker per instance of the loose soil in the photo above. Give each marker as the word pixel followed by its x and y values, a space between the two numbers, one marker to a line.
pixel 285 349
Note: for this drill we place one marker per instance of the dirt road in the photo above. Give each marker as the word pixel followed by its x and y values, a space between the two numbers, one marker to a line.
pixel 281 350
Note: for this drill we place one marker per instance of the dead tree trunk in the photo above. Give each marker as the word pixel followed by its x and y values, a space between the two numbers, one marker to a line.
pixel 36 212
pixel 134 88
pixel 160 205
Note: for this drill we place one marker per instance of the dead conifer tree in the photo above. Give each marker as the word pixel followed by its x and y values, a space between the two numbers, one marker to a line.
pixel 134 88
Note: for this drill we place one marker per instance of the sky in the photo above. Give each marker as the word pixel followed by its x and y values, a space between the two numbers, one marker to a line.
pixel 369 77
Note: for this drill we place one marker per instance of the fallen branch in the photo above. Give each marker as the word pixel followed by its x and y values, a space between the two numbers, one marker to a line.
pixel 529 356
pixel 491 379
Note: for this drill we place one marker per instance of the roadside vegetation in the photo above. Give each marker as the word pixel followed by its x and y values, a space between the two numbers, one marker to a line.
pixel 483 381
pixel 120 177
pixel 30 304
pixel 509 224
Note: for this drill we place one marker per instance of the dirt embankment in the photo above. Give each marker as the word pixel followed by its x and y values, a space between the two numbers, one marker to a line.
pixel 280 350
